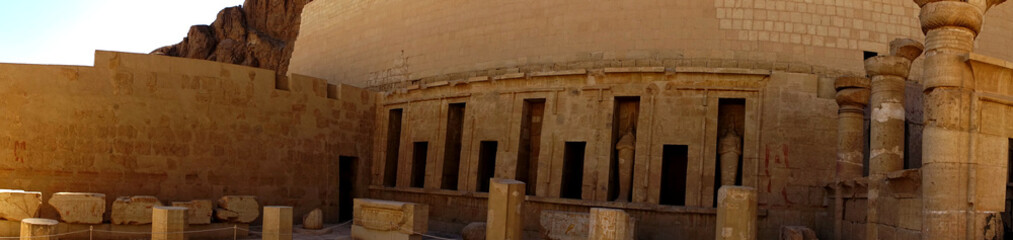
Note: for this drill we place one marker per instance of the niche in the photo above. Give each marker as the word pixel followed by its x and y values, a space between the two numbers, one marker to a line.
pixel 624 136
pixel 731 128
pixel 573 170
pixel 452 148
pixel 393 147
pixel 486 164
pixel 419 153
pixel 674 163
pixel 530 140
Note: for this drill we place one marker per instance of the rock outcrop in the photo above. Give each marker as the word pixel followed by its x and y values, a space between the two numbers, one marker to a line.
pixel 76 207
pixel 16 205
pixel 134 210
pixel 260 33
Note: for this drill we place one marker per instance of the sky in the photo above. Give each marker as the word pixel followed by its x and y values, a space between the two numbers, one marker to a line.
pixel 67 32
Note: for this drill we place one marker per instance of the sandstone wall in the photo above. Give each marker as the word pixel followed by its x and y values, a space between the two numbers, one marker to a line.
pixel 789 145
pixel 375 43
pixel 179 129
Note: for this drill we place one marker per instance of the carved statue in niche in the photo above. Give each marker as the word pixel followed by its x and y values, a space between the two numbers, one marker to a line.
pixel 729 150
pixel 625 148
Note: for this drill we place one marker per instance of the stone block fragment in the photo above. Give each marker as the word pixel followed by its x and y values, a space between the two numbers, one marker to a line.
pixel 313 220
pixel 38 228
pixel 506 199
pixel 474 231
pixel 79 207
pixel 797 233
pixel 736 218
pixel 168 223
pixel 277 223
pixel 242 209
pixel 380 219
pixel 134 210
pixel 197 211
pixel 559 225
pixel 611 224
pixel 16 205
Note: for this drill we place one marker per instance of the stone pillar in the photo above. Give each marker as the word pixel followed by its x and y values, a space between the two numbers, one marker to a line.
pixel 886 140
pixel 736 213
pixel 611 224
pixel 506 197
pixel 852 97
pixel 950 28
pixel 168 223
pixel 38 229
pixel 277 223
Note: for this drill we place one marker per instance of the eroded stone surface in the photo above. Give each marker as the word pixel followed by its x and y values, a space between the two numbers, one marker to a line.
pixel 242 209
pixel 559 225
pixel 77 207
pixel 380 219
pixel 314 219
pixel 18 204
pixel 198 211
pixel 133 210
pixel 474 231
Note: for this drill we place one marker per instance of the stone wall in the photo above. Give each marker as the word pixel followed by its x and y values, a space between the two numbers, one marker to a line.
pixel 788 148
pixel 179 129
pixel 374 43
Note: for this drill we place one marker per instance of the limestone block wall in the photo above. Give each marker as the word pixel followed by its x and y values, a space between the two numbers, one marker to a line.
pixel 788 150
pixel 377 43
pixel 179 129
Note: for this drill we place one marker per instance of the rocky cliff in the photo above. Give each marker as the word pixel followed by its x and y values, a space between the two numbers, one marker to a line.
pixel 260 33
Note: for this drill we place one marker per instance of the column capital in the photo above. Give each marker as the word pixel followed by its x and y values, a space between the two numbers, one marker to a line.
pixel 937 14
pixel 852 91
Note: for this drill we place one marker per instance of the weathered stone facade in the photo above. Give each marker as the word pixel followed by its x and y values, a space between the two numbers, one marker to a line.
pixel 817 120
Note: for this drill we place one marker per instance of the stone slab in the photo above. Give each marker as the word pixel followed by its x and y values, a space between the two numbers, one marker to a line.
pixel 19 204
pixel 133 210
pixel 79 207
pixel 380 219
pixel 241 209
pixel 559 225
pixel 198 211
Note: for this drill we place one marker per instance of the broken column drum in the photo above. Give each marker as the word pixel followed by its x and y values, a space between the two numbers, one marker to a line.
pixel 625 147
pixel 729 151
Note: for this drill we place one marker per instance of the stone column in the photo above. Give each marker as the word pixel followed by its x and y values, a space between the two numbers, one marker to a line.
pixel 886 140
pixel 736 213
pixel 168 223
pixel 611 224
pixel 950 28
pixel 38 229
pixel 852 97
pixel 277 223
pixel 506 197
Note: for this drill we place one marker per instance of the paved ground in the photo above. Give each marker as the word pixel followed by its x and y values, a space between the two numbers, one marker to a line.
pixel 334 232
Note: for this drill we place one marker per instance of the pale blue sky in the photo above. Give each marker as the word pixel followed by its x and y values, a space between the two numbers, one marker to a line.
pixel 67 32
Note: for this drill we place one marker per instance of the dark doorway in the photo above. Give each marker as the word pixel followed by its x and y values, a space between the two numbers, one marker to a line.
pixel 573 170
pixel 346 186
pixel 673 175
pixel 419 153
pixel 530 141
pixel 452 150
pixel 393 147
pixel 486 164
pixel 1007 216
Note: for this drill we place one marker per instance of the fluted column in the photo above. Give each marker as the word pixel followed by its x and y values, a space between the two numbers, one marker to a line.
pixel 852 97
pixel 888 75
pixel 950 28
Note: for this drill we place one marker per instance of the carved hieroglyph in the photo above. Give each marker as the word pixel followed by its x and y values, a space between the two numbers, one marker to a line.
pixel 17 204
pixel 625 147
pixel 736 213
pixel 380 219
pixel 729 150
pixel 73 207
pixel 611 224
